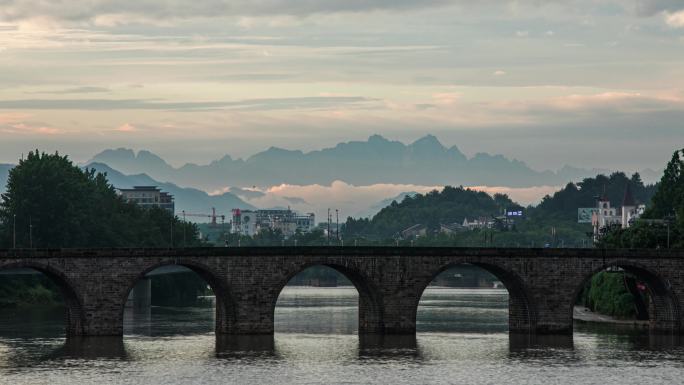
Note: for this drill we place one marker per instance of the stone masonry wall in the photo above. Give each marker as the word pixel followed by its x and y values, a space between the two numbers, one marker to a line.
pixel 543 284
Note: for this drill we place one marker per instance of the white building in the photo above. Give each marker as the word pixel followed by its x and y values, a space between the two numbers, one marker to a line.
pixel 604 215
pixel 288 222
pixel 479 223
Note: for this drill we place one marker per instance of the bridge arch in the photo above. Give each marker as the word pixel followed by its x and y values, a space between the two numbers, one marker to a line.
pixel 371 319
pixel 522 316
pixel 664 312
pixel 75 317
pixel 226 314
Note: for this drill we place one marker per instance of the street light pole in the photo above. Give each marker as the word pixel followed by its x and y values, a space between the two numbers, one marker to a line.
pixel 668 234
pixel 184 244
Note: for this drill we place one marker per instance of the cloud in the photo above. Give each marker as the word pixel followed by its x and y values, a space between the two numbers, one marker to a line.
pixel 126 127
pixel 354 200
pixel 314 102
pixel 351 200
pixel 652 7
pixel 112 13
pixel 23 128
pixel 76 90
pixel 19 124
pixel 446 98
pixel 12 117
pixel 625 101
pixel 522 195
pixel 675 20
pixel 115 12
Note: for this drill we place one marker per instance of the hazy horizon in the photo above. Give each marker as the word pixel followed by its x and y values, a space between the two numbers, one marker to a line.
pixel 587 83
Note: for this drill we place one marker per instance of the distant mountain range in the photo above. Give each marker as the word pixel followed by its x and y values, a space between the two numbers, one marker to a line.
pixel 377 160
pixel 189 199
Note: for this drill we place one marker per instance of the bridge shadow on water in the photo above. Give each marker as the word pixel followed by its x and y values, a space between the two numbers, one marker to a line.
pixel 407 348
pixel 238 347
pixel 92 348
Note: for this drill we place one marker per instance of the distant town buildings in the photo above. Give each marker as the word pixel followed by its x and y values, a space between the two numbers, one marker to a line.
pixel 287 222
pixel 414 231
pixel 603 215
pixel 148 197
pixel 506 221
pixel 451 228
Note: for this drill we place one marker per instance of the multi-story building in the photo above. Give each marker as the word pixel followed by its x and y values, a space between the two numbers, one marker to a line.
pixel 244 222
pixel 148 196
pixel 288 222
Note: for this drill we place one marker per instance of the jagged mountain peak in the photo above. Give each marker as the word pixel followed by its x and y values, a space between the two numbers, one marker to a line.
pixel 428 141
pixel 376 160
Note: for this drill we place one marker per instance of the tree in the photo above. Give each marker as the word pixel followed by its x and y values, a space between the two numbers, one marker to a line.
pixel 57 204
pixel 669 198
pixel 667 205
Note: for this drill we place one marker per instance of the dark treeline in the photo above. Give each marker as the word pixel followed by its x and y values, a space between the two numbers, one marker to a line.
pixel 664 217
pixel 50 202
pixel 53 203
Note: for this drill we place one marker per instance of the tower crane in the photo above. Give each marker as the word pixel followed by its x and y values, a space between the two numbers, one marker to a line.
pixel 213 216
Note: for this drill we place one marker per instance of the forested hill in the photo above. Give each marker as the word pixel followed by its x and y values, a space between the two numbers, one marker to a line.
pixel 454 204
pixel 450 205
pixel 563 204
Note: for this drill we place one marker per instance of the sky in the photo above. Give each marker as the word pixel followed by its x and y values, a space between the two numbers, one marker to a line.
pixel 588 83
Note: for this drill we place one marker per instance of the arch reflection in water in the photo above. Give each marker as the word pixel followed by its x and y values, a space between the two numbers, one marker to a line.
pixel 632 295
pixel 36 301
pixel 464 298
pixel 318 300
pixel 170 300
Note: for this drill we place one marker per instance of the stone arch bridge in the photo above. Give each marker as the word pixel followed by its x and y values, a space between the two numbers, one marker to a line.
pixel 543 284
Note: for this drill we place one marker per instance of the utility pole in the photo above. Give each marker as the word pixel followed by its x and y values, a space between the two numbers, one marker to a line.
pixel 668 234
pixel 328 226
pixel 184 241
pixel 14 233
pixel 171 234
pixel 337 224
pixel 30 233
pixel 223 229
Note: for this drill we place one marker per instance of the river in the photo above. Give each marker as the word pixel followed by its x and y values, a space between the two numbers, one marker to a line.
pixel 462 339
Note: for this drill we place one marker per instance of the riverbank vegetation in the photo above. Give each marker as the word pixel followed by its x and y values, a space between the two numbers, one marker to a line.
pixel 606 293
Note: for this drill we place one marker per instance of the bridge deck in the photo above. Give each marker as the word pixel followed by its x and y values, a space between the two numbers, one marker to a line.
pixel 350 251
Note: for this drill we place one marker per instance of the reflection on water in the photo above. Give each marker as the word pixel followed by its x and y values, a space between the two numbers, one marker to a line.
pixel 463 310
pixel 463 340
pixel 335 310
